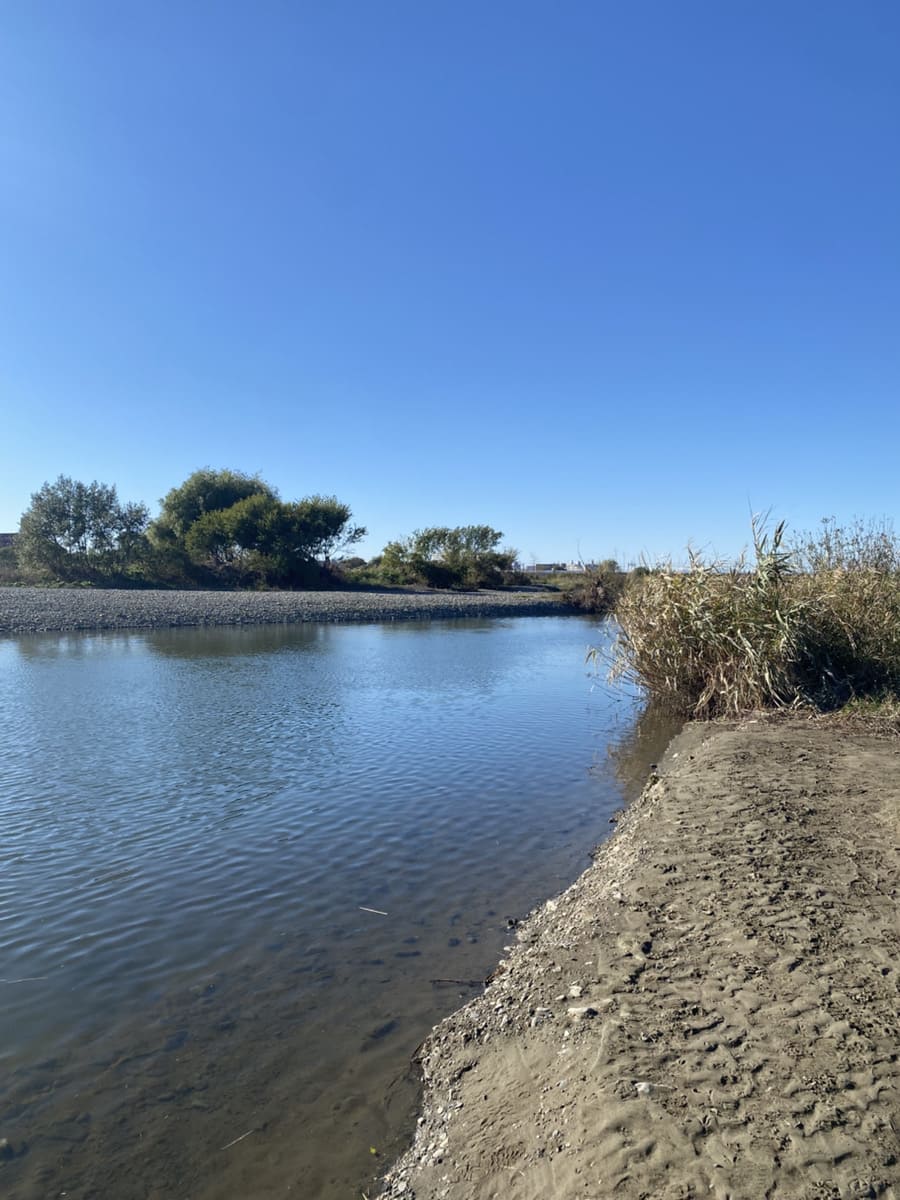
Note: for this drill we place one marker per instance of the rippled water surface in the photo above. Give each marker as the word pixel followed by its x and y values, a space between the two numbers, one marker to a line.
pixel 194 1001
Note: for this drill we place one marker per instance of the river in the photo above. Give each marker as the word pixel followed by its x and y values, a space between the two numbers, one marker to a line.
pixel 245 870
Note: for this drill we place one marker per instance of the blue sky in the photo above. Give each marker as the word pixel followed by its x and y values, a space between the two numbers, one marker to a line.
pixel 605 276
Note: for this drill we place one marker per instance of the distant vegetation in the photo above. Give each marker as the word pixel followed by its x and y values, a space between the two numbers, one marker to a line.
pixel 816 622
pixel 223 528
pixel 75 531
pixel 465 557
pixel 595 588
pixel 235 529
pixel 218 528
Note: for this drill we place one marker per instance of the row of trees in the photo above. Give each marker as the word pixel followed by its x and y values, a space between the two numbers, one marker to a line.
pixel 218 526
pixel 224 527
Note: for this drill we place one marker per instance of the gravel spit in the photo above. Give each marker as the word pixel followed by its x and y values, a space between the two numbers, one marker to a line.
pixel 49 610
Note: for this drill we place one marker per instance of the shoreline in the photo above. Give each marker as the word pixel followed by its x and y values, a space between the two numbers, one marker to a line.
pixel 711 1009
pixel 33 610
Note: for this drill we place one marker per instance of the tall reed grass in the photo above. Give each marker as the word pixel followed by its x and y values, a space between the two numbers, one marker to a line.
pixel 814 623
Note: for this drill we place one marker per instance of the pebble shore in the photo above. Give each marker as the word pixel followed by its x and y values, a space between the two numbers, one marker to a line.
pixel 49 610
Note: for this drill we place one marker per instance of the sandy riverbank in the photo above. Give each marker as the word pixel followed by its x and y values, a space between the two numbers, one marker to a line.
pixel 713 1009
pixel 47 610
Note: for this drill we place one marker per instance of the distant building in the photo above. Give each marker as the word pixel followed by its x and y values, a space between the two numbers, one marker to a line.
pixel 559 568
pixel 7 539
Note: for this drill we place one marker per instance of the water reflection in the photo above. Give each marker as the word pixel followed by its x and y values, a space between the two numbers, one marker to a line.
pixel 641 746
pixel 55 646
pixel 219 642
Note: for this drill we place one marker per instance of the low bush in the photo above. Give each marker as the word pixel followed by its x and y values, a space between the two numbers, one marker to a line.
pixel 597 589
pixel 465 557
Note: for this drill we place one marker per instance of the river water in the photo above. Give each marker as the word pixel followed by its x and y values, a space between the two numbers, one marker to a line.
pixel 195 1000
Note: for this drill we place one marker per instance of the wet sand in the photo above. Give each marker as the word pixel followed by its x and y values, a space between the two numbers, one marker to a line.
pixel 712 1009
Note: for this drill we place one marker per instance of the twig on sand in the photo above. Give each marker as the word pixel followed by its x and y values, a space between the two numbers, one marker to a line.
pixel 239 1139
pixel 464 982
pixel 645 1086
pixel 378 911
pixel 27 979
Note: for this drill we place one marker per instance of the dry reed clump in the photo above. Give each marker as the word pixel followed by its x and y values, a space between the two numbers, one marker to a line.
pixel 785 631
pixel 853 645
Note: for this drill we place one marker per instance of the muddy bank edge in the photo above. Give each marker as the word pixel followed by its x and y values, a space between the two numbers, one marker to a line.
pixel 710 1010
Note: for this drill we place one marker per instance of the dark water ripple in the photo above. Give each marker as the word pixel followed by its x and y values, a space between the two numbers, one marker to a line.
pixel 192 821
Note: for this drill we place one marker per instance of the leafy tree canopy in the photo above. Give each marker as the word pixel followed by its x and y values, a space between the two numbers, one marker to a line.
pixel 306 530
pixel 466 556
pixel 206 491
pixel 217 525
pixel 80 530
pixel 236 526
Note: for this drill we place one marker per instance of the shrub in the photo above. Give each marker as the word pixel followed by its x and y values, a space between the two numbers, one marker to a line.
pixel 598 589
pixel 9 565
pixel 439 557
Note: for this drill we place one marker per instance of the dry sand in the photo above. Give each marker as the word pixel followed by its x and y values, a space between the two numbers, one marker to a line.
pixel 711 1010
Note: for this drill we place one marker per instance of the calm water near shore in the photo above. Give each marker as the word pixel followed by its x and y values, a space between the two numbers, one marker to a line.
pixel 193 1001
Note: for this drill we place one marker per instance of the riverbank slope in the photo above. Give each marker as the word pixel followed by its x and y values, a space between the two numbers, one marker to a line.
pixel 712 1009
pixel 59 610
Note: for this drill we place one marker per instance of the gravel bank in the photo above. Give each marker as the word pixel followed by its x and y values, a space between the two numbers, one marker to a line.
pixel 46 610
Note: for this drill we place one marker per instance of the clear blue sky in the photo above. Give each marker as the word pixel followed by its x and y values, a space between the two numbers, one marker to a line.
pixel 602 275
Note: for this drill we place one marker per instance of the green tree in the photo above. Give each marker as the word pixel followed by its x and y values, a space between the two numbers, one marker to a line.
pixel 322 527
pixel 205 491
pixel 466 556
pixel 76 531
pixel 261 537
pixel 225 537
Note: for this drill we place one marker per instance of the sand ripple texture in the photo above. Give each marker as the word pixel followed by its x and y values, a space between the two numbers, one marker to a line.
pixel 712 1010
pixel 45 610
